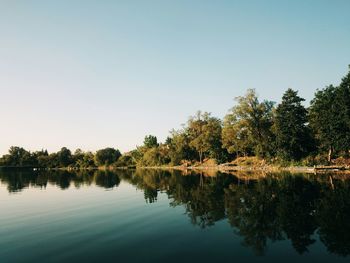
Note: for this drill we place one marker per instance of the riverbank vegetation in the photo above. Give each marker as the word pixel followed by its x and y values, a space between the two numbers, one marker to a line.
pixel 285 134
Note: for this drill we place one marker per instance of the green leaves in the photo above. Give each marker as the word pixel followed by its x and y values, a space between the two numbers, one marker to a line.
pixel 330 117
pixel 247 127
pixel 150 141
pixel 293 137
pixel 205 134
pixel 106 156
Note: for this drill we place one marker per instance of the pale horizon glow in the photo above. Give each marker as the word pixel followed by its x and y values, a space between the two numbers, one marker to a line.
pixel 95 74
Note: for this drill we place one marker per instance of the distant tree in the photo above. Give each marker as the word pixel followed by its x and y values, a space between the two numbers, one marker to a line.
pixel 136 154
pixel 343 100
pixel 84 159
pixel 155 156
pixel 126 160
pixel 179 147
pixel 235 136
pixel 18 157
pixel 107 156
pixel 150 141
pixel 293 136
pixel 77 156
pixel 330 118
pixel 205 134
pixel 323 114
pixel 41 158
pixel 249 123
pixel 65 157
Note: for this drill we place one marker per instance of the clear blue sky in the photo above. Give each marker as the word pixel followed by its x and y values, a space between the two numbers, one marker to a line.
pixel 92 74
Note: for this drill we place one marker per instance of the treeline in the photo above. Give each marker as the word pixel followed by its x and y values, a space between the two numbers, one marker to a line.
pixel 284 133
pixel 19 157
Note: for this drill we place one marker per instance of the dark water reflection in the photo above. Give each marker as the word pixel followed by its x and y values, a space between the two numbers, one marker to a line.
pixel 302 209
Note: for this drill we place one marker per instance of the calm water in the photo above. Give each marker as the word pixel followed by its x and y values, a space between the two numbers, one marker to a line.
pixel 159 216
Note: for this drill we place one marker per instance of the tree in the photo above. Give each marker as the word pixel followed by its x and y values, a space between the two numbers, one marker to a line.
pixel 330 117
pixel 150 141
pixel 85 160
pixel 107 156
pixel 155 156
pixel 235 136
pixel 18 157
pixel 205 134
pixel 293 137
pixel 179 147
pixel 249 123
pixel 322 119
pixel 64 157
pixel 343 100
pixel 78 157
pixel 126 160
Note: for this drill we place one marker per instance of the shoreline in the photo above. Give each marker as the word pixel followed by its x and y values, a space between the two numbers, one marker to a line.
pixel 266 169
pixel 216 168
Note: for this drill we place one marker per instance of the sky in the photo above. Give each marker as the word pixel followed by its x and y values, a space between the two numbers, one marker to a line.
pixel 95 74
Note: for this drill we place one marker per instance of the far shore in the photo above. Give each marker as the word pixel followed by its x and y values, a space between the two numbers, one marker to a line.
pixel 219 168
pixel 268 168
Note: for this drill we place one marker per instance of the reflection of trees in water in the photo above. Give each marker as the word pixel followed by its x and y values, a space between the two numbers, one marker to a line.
pixel 280 207
pixel 19 179
pixel 202 198
pixel 333 218
pixel 265 210
pixel 150 195
pixel 251 210
pixel 297 197
pixel 106 179
pixel 273 210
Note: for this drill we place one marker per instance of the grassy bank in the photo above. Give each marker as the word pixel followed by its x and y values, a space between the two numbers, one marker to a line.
pixel 254 164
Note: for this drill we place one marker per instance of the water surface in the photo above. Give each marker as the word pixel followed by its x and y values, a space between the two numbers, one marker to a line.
pixel 162 216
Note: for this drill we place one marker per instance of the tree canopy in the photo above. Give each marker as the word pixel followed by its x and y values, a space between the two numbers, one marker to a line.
pixel 247 127
pixel 293 136
pixel 107 156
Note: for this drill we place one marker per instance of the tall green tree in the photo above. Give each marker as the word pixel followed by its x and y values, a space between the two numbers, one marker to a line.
pixel 150 141
pixel 179 146
pixel 343 100
pixel 18 157
pixel 330 118
pixel 84 160
pixel 107 156
pixel 323 114
pixel 65 157
pixel 155 156
pixel 235 136
pixel 249 123
pixel 293 136
pixel 205 135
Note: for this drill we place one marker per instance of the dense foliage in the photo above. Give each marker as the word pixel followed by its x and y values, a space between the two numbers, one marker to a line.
pixel 19 157
pixel 287 132
pixel 247 127
pixel 293 136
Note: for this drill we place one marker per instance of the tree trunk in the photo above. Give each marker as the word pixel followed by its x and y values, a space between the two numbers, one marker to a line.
pixel 200 156
pixel 331 182
pixel 330 153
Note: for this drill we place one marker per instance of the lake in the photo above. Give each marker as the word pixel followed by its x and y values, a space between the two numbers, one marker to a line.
pixel 164 216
